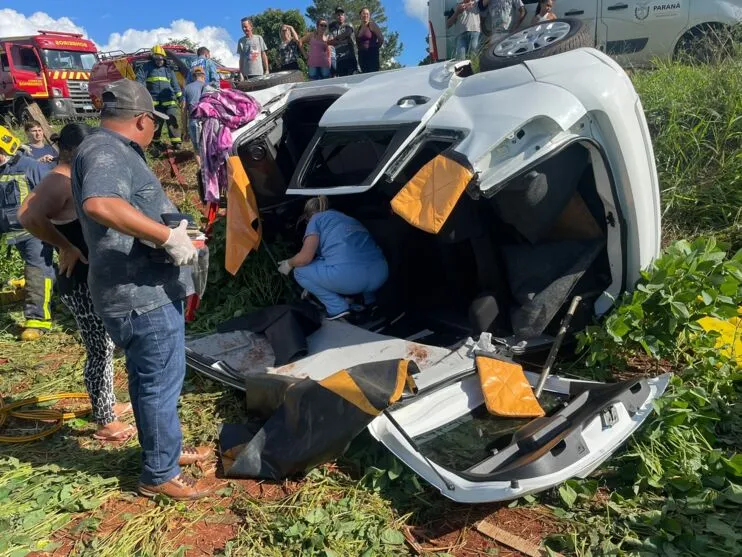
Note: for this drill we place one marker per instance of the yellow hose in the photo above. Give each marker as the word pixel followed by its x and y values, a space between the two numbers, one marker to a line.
pixel 39 414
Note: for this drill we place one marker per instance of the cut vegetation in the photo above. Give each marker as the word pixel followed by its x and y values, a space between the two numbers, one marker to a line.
pixel 675 489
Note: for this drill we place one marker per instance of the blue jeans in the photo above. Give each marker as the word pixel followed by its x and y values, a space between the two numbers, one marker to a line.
pixel 154 345
pixel 194 131
pixel 467 43
pixel 316 72
pixel 330 283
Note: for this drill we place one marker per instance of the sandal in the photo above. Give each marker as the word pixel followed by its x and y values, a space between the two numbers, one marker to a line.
pixel 122 435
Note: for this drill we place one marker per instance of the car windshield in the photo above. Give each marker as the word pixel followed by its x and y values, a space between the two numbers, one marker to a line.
pixel 68 59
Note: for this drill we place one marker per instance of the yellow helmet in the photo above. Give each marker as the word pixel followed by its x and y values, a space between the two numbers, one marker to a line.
pixel 8 142
pixel 157 50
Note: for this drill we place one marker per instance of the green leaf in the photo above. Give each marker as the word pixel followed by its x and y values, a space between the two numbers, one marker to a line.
pixel 717 526
pixel 392 537
pixel 681 309
pixel 568 495
pixel 734 465
pixel 33 518
pixel 315 516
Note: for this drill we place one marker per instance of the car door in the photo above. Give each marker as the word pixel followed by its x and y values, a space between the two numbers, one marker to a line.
pixel 6 81
pixel 639 30
pixel 27 70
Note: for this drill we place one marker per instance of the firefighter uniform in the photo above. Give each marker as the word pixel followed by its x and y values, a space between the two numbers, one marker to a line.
pixel 18 176
pixel 162 84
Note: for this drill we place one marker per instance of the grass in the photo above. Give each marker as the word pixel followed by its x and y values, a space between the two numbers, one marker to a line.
pixel 676 488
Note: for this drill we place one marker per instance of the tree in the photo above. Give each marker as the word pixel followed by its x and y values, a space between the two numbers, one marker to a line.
pixel 268 25
pixel 391 49
pixel 190 45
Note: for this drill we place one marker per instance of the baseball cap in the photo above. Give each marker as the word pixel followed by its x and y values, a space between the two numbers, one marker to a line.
pixel 126 94
pixel 339 10
pixel 198 70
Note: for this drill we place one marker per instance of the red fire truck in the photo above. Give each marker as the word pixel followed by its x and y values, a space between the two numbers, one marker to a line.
pixel 49 68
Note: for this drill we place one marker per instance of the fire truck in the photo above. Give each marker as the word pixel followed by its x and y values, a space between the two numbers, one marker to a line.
pixel 50 68
pixel 118 64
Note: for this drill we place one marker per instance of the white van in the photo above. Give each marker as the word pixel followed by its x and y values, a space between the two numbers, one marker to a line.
pixel 632 31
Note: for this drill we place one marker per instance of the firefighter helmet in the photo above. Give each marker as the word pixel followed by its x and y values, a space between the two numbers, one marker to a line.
pixel 8 142
pixel 157 50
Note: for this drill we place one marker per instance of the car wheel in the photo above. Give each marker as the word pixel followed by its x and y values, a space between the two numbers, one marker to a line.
pixel 270 80
pixel 537 41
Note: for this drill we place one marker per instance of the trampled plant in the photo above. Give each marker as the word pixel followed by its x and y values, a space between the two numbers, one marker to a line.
pixel 677 490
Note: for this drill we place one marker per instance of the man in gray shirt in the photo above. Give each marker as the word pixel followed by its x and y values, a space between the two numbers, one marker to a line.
pixel 136 290
pixel 466 15
pixel 252 52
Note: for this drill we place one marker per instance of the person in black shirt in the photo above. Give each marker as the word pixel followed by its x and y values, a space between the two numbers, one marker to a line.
pixel 288 50
pixel 49 214
pixel 342 37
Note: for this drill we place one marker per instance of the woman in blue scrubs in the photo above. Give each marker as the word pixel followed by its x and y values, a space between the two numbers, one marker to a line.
pixel 338 258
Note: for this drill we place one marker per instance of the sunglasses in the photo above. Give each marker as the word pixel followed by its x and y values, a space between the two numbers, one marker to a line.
pixel 150 116
pixel 323 24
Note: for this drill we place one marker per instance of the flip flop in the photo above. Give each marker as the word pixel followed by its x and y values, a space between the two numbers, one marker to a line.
pixel 123 435
pixel 124 408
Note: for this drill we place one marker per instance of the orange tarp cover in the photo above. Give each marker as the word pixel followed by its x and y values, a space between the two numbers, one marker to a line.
pixel 506 389
pixel 243 222
pixel 426 201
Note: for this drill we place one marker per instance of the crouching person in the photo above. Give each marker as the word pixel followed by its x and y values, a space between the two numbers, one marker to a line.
pixel 137 288
pixel 338 258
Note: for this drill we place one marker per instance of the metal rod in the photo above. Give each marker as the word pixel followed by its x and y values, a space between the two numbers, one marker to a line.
pixel 557 344
pixel 407 438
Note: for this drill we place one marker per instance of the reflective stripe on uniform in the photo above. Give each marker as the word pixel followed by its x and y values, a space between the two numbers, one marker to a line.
pixel 47 299
pixel 175 140
pixel 157 78
pixel 37 324
pixel 22 182
pixel 165 103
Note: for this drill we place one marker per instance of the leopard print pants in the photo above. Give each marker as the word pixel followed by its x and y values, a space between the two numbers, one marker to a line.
pixel 98 374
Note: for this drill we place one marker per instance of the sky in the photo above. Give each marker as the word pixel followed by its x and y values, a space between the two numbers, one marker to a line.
pixel 131 24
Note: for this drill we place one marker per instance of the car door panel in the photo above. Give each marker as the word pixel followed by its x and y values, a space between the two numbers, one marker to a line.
pixel 639 30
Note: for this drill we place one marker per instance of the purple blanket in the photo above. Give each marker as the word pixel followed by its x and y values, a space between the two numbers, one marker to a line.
pixel 221 112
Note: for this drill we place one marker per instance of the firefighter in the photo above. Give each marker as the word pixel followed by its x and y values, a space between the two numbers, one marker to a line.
pixel 162 84
pixel 19 174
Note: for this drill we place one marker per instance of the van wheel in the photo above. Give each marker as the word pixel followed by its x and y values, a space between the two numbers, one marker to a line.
pixel 537 41
pixel 706 44
pixel 270 80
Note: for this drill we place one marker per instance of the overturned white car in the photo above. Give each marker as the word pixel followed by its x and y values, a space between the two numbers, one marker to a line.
pixel 497 198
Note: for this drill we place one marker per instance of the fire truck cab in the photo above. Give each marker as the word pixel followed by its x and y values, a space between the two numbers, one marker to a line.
pixel 50 68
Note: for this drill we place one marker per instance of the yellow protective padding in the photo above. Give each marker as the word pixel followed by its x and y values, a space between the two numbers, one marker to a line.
pixel 729 342
pixel 428 199
pixel 243 223
pixel 506 389
pixel 342 384
pixel 124 68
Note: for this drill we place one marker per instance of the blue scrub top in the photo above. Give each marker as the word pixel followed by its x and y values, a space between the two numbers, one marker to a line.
pixel 342 239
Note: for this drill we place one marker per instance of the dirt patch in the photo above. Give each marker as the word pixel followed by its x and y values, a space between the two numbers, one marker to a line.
pixel 455 532
pixel 641 365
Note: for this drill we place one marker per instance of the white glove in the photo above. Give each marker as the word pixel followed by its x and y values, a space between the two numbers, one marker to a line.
pixel 179 246
pixel 284 267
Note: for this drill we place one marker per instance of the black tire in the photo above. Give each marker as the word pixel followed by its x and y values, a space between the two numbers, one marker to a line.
pixel 706 44
pixel 271 80
pixel 20 110
pixel 579 36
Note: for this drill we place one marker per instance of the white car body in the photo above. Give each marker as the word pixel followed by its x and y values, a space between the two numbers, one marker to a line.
pixel 634 32
pixel 535 119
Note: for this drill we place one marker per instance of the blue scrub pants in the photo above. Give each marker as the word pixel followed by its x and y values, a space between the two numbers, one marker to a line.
pixel 330 283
